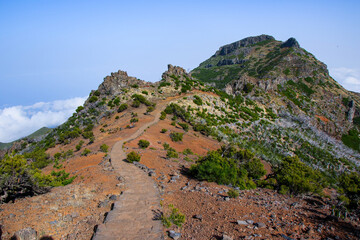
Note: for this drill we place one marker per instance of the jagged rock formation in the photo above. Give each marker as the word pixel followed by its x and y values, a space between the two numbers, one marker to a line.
pixel 291 42
pixel 116 81
pixel 174 71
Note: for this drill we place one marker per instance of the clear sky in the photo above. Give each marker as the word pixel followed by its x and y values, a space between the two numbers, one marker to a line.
pixel 60 50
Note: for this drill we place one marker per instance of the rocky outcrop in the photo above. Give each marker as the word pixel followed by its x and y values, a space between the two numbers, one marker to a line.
pixel 291 42
pixel 227 49
pixel 175 71
pixel 116 81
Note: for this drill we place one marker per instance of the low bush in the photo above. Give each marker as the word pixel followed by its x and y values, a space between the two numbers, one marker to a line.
pixel 294 177
pixel 171 153
pixel 163 130
pixel 216 168
pixel 175 217
pixel 197 100
pixel 176 137
pixel 93 99
pixel 232 193
pixel 122 107
pixel 143 143
pixel 162 115
pixel 166 146
pixel 104 148
pixel 133 157
pixel 79 145
pixel 184 126
pixel 188 151
pixel 85 152
pixel 349 184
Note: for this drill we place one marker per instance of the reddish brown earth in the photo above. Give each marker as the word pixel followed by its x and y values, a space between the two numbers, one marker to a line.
pixel 72 212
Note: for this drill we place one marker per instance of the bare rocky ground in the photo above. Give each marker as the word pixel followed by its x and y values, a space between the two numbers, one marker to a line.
pixel 73 211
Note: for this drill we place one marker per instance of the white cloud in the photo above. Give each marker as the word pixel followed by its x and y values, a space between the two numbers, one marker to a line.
pixel 20 121
pixel 348 77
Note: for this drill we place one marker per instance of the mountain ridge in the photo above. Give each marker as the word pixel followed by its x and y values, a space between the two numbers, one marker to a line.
pixel 258 130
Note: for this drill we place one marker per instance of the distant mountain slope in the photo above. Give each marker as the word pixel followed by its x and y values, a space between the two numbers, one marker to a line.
pixel 285 77
pixel 38 133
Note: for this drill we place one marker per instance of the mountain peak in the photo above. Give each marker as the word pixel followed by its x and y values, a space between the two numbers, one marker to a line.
pixel 291 42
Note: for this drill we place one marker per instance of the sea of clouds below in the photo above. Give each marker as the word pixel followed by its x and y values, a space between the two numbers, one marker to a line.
pixel 19 121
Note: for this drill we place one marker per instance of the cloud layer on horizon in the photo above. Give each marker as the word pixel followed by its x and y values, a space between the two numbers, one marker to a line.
pixel 349 78
pixel 19 121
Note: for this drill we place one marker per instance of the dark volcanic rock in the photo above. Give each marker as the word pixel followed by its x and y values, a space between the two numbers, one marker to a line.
pixel 291 42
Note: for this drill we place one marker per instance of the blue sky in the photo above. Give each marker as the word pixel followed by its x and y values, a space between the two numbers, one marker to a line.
pixel 59 50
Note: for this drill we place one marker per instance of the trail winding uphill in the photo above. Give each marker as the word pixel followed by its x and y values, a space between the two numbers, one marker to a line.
pixel 133 214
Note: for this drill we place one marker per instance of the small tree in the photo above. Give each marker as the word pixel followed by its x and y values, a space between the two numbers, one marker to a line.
pixel 133 157
pixel 143 143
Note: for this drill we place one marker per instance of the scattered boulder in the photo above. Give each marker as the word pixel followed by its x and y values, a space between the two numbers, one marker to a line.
pixel 241 222
pixel 174 235
pixel 26 234
pixel 260 225
pixel 226 237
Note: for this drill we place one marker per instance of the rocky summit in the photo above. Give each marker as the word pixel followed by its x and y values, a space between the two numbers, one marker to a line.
pixel 257 142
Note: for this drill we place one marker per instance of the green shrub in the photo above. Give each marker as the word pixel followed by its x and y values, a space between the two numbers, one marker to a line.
pixel 104 148
pixel 96 93
pixel 79 109
pixel 175 217
pixel 93 99
pixel 197 100
pixel 298 178
pixel 184 126
pixel 38 157
pixel 79 145
pixel 143 143
pixel 122 107
pixel 85 152
pixel 352 139
pixel 166 146
pixel 176 137
pixel 88 134
pixel 171 153
pixel 162 115
pixel 214 167
pixel 188 151
pixel 133 157
pixel 349 184
pixel 133 120
pixel 163 130
pixel 135 86
pixel 232 193
pixel 150 109
pixel 18 179
pixel 136 104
